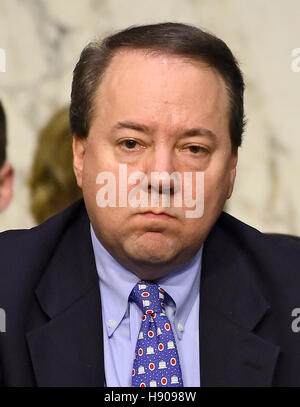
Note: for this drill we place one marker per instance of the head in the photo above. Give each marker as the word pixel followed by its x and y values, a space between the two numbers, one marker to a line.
pixel 6 170
pixel 161 98
pixel 52 182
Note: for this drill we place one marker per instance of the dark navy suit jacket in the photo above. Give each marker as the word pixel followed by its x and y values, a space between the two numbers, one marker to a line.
pixel 49 289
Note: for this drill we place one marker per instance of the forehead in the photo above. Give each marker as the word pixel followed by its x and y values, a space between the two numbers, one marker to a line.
pixel 157 84
pixel 132 65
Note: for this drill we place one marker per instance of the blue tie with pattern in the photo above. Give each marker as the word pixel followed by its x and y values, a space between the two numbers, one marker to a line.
pixel 156 362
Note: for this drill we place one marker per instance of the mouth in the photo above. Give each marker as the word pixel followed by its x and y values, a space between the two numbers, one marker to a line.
pixel 156 215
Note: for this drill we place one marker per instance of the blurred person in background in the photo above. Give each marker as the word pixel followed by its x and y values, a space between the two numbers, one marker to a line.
pixel 52 182
pixel 6 170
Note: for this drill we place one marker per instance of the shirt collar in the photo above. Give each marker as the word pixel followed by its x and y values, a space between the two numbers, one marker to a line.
pixel 184 286
pixel 117 282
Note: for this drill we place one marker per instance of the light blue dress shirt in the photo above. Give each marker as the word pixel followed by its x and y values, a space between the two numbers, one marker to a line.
pixel 122 319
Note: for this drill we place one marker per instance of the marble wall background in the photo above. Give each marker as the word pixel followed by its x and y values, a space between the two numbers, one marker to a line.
pixel 42 40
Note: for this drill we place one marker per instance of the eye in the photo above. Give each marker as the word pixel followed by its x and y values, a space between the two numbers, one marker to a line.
pixel 197 149
pixel 129 144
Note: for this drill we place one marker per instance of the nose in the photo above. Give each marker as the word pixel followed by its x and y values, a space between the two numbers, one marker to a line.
pixel 159 167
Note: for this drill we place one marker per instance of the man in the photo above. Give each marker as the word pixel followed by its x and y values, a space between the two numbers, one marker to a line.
pixel 6 170
pixel 111 294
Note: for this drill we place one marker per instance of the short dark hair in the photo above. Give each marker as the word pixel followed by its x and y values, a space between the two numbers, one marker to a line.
pixel 2 136
pixel 166 38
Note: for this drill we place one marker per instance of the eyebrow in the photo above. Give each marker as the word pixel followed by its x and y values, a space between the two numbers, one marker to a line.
pixel 132 125
pixel 197 131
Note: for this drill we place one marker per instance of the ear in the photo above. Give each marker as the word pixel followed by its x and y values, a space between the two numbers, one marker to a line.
pixel 6 185
pixel 232 171
pixel 79 148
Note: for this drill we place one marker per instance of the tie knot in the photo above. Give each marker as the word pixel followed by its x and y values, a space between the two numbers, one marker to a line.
pixel 149 297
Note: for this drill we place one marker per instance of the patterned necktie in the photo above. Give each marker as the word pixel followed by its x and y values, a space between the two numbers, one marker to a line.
pixel 156 362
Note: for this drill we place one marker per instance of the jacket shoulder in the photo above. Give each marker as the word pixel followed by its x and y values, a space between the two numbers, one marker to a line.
pixel 24 250
pixel 53 225
pixel 274 254
pixel 246 233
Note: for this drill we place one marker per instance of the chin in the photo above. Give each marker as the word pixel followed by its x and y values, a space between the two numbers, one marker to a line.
pixel 152 249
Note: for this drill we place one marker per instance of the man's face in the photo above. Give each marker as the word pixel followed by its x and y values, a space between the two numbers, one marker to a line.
pixel 157 113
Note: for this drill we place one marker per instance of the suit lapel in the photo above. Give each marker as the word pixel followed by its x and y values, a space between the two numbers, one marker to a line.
pixel 68 350
pixel 231 308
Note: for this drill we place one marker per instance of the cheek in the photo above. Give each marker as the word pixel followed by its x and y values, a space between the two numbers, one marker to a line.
pixel 216 185
pixel 95 161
